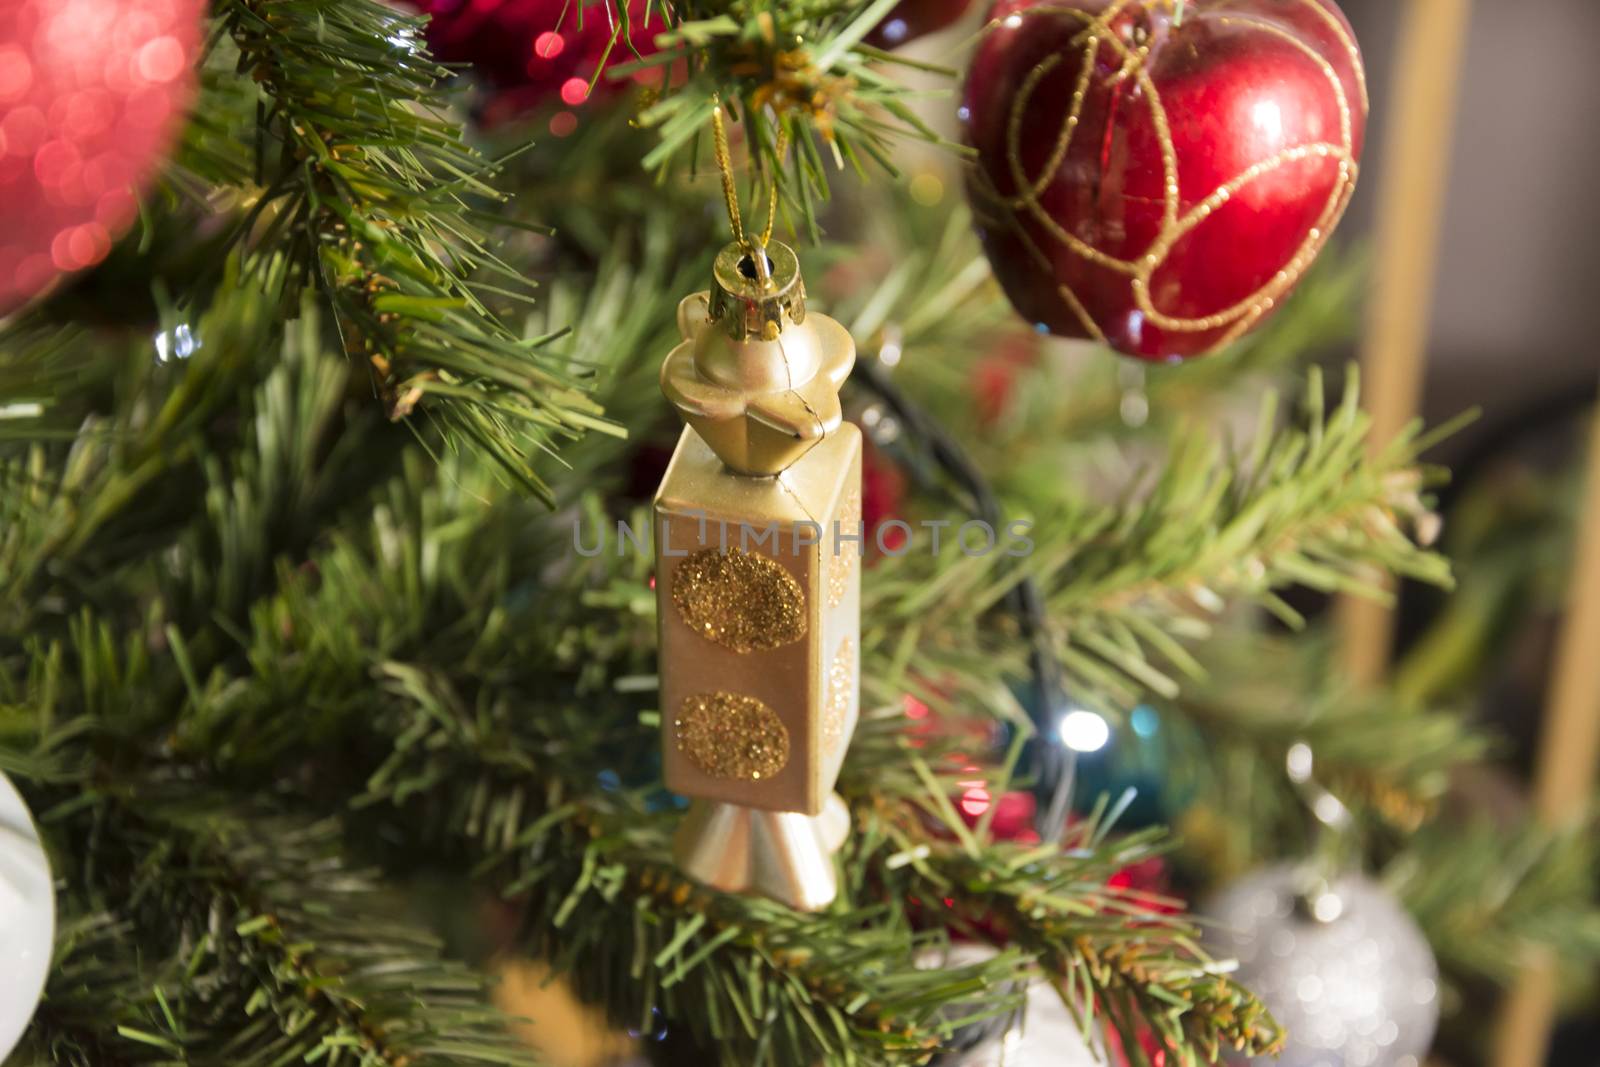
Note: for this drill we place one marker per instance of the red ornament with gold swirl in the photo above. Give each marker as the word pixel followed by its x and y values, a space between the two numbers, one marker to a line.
pixel 1159 174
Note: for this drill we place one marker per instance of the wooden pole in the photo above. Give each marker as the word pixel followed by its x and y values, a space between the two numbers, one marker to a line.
pixel 1416 164
pixel 1569 752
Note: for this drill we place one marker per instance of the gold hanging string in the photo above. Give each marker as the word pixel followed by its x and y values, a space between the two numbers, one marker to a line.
pixel 730 189
pixel 772 186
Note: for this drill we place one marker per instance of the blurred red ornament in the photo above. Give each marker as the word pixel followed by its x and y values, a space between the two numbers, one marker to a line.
pixel 91 95
pixel 1150 1048
pixel 995 374
pixel 1158 183
pixel 1150 881
pixel 1013 818
pixel 883 494
pixel 910 19
pixel 533 53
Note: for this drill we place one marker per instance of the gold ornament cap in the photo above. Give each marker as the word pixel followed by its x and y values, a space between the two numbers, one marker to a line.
pixel 756 376
pixel 755 291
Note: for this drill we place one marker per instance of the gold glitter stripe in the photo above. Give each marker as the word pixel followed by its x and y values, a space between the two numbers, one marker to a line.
pixel 1350 46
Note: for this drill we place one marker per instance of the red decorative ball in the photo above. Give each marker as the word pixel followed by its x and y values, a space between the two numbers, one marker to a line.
pixel 994 376
pixel 533 53
pixel 910 19
pixel 91 94
pixel 1156 183
pixel 883 498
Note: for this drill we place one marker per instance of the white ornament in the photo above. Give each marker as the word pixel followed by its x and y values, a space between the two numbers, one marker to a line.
pixel 27 917
pixel 1042 1033
pixel 1049 1035
pixel 1347 973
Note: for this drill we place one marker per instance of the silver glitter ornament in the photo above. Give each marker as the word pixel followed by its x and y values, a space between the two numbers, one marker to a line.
pixel 1346 971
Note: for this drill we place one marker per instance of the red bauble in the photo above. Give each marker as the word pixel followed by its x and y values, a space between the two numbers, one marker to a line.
pixel 1161 185
pixel 91 93
pixel 883 497
pixel 533 53
pixel 910 19
pixel 1013 818
pixel 995 375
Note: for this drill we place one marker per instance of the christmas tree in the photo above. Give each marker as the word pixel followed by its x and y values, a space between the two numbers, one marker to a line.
pixel 328 715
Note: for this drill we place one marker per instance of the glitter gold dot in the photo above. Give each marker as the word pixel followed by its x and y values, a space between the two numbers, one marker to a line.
pixel 727 735
pixel 842 563
pixel 741 601
pixel 841 695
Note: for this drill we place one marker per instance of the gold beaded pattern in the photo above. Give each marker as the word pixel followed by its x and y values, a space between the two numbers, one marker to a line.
pixel 727 735
pixel 1177 223
pixel 842 562
pixel 743 602
pixel 841 694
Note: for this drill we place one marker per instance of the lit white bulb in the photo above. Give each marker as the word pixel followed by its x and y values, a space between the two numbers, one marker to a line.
pixel 179 343
pixel 1084 731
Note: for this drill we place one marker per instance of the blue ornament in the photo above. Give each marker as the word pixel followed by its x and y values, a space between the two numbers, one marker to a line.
pixel 1136 757
pixel 1102 755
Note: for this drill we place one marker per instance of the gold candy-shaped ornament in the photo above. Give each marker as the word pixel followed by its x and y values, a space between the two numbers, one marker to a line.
pixel 758 568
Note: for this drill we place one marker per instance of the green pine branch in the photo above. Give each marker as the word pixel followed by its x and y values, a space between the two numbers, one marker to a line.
pixel 489 742
pixel 227 574
pixel 450 664
pixel 810 97
pixel 233 937
pixel 84 504
pixel 454 666
pixel 359 175
pixel 1486 894
pixel 1129 960
pixel 1389 759
pixel 1130 586
pixel 100 988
